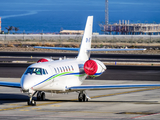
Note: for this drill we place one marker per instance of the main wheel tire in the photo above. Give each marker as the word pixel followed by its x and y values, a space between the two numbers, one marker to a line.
pixel 80 98
pixel 39 95
pixel 43 96
pixel 85 99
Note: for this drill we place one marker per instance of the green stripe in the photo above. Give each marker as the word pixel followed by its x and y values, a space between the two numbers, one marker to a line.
pixel 58 75
pixel 80 75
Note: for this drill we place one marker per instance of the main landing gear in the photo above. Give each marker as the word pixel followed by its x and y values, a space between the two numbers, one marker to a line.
pixel 40 96
pixel 82 97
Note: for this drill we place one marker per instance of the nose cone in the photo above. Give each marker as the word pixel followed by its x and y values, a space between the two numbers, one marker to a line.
pixel 26 82
pixel 25 86
pixel 33 82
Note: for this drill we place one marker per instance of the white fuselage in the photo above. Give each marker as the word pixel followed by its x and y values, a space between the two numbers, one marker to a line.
pixel 57 76
pixel 53 76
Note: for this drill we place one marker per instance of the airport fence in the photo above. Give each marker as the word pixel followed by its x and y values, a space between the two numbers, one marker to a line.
pixel 77 38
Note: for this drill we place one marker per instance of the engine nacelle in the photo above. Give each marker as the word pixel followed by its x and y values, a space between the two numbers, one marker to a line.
pixel 44 60
pixel 94 68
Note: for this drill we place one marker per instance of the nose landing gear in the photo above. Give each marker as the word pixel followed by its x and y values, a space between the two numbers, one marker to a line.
pixel 40 96
pixel 32 102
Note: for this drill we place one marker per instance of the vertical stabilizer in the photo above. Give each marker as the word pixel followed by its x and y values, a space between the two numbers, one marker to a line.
pixel 86 40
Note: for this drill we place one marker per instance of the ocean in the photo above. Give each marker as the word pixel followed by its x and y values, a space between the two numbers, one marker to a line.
pixel 51 16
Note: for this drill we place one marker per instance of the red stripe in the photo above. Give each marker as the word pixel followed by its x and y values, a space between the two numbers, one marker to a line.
pixel 144 116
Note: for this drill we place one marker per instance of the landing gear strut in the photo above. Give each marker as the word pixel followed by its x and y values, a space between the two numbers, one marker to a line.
pixel 32 102
pixel 40 95
pixel 82 97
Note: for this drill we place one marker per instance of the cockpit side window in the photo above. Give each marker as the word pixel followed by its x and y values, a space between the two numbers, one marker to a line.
pixel 43 71
pixel 46 71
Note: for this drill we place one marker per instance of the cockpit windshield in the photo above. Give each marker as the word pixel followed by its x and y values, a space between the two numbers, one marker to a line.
pixel 37 71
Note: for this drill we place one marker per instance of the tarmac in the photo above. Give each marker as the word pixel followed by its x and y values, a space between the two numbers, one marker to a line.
pixel 107 59
pixel 115 104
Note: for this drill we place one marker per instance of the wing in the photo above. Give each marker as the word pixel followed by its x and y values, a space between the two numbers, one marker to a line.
pixel 113 49
pixel 10 84
pixel 104 87
pixel 58 48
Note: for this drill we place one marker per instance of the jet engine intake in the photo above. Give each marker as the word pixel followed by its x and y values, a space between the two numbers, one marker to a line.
pixel 94 67
pixel 44 60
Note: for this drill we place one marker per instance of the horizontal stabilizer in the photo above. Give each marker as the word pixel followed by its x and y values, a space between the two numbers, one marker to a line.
pixel 113 49
pixel 103 87
pixel 10 84
pixel 92 49
pixel 58 48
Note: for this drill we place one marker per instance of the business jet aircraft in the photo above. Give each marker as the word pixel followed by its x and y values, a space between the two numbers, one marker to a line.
pixel 63 76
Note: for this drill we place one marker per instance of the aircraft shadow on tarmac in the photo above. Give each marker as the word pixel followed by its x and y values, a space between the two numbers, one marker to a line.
pixel 12 98
pixel 16 98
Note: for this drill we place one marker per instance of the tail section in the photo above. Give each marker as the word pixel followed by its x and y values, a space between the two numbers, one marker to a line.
pixel 84 54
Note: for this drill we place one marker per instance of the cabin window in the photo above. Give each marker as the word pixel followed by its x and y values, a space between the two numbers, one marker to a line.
pixel 55 70
pixel 66 68
pixel 72 67
pixel 58 70
pixel 63 69
pixel 69 68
